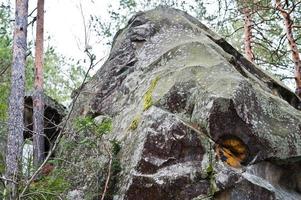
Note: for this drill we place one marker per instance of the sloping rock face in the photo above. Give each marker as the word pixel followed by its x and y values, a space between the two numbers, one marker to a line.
pixel 194 118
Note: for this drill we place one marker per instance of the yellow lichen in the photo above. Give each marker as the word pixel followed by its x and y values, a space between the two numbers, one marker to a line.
pixel 134 124
pixel 148 96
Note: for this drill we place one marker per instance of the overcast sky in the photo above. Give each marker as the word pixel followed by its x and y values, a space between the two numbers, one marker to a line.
pixel 64 25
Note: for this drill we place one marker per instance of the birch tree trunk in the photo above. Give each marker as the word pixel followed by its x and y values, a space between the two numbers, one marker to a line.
pixel 288 23
pixel 16 100
pixel 38 100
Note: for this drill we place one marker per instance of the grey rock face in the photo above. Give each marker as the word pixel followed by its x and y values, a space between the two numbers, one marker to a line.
pixel 75 195
pixel 194 118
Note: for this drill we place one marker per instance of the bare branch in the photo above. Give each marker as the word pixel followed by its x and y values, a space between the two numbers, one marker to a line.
pixel 296 26
pixel 287 77
pixel 109 173
pixel 4 70
pixel 31 13
pixel 9 180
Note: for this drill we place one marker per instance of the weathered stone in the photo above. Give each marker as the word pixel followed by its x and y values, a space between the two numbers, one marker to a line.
pixel 194 118
pixel 75 195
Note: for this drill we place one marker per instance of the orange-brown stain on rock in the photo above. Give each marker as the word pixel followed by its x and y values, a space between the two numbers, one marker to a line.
pixel 232 151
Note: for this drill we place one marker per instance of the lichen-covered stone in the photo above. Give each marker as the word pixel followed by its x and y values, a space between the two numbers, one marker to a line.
pixel 75 195
pixel 211 124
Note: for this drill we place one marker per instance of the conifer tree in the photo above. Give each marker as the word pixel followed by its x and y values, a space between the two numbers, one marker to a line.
pixel 38 101
pixel 16 99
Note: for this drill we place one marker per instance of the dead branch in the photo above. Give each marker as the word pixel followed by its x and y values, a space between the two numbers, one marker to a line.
pixel 9 180
pixel 108 175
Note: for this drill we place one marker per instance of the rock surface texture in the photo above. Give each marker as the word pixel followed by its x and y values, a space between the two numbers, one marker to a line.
pixel 194 119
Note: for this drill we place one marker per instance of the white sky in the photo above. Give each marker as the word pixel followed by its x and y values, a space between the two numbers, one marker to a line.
pixel 64 24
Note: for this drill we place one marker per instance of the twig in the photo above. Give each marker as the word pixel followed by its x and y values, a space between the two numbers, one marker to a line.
pixel 296 26
pixel 29 15
pixel 109 174
pixel 9 180
pixel 4 70
pixel 286 77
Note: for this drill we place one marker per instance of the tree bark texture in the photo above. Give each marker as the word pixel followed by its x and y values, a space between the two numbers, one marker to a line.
pixel 16 99
pixel 38 100
pixel 246 11
pixel 288 23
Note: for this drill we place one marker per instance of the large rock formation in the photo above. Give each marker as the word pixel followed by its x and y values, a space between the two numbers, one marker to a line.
pixel 193 117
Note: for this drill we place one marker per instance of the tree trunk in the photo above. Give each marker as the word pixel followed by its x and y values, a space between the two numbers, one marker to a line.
pixel 288 22
pixel 248 31
pixel 38 100
pixel 16 99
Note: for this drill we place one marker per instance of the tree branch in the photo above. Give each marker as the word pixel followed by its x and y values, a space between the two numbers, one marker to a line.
pixel 108 175
pixel 9 180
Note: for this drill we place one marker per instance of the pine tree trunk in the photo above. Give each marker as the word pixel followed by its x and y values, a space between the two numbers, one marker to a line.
pixel 38 100
pixel 248 32
pixel 288 22
pixel 16 99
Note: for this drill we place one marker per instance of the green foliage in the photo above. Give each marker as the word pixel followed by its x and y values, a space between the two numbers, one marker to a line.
pixel 116 167
pixel 211 177
pixel 115 147
pixel 5 63
pixel 48 187
pixel 211 172
pixel 88 142
pixel 66 144
pixel 84 124
pixel 105 127
pixel 209 169
pixel 5 59
pixel 148 96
